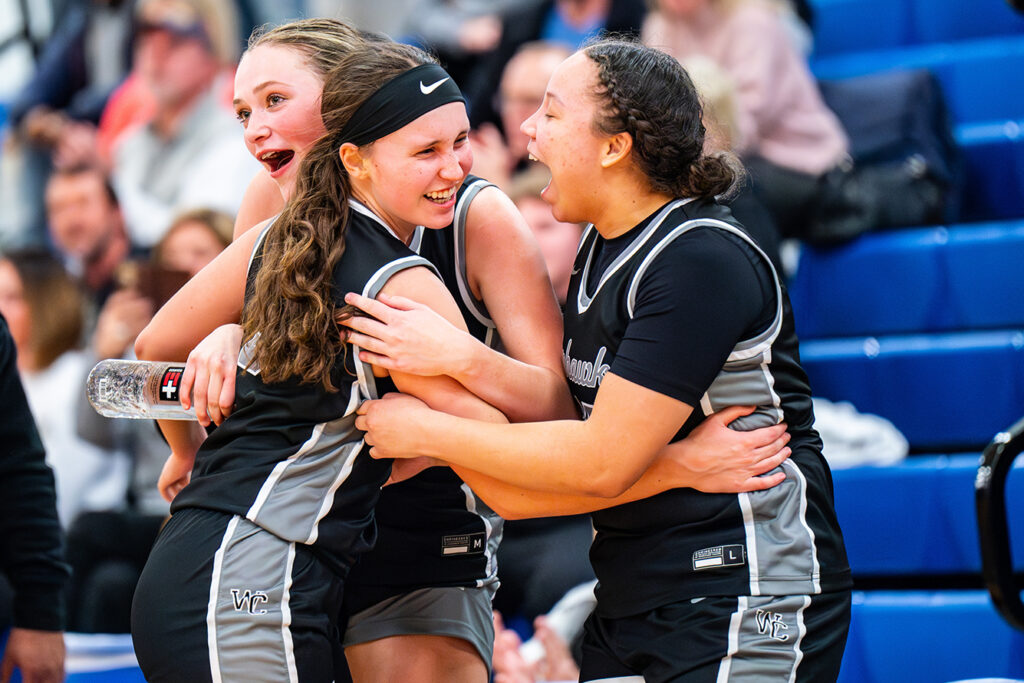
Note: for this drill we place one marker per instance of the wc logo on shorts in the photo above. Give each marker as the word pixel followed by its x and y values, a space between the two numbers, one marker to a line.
pixel 249 601
pixel 771 624
pixel 169 383
pixel 464 544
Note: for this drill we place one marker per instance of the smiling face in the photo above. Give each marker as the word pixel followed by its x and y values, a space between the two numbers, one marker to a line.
pixel 563 138
pixel 410 177
pixel 277 99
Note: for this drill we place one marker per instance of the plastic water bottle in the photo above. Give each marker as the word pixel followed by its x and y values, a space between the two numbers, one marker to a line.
pixel 142 390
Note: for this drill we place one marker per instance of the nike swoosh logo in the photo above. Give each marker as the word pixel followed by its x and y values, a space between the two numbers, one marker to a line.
pixel 427 89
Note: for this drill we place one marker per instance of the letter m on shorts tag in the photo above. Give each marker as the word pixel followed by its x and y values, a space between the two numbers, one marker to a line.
pixel 719 556
pixel 464 544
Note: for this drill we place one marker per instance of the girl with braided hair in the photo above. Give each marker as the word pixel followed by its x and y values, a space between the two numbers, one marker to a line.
pixel 418 604
pixel 673 312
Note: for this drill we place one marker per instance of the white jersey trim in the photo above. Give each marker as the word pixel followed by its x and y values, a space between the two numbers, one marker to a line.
pixel 798 651
pixel 211 605
pixel 358 206
pixel 583 300
pixel 750 534
pixel 735 621
pixel 743 350
pixel 278 471
pixel 461 270
pixel 286 618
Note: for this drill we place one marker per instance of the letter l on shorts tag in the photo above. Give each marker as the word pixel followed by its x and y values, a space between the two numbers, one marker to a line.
pixel 719 556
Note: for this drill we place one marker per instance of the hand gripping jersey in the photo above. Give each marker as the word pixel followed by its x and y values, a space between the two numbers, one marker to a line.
pixel 289 458
pixel 655 306
pixel 432 529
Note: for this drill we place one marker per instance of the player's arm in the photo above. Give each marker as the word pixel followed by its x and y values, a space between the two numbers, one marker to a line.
pixel 712 458
pixel 439 391
pixel 602 456
pixel 528 380
pixel 506 268
pixel 213 297
pixel 262 200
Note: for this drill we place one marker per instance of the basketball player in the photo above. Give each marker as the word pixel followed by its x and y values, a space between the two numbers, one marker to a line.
pixel 434 623
pixel 672 313
pixel 245 580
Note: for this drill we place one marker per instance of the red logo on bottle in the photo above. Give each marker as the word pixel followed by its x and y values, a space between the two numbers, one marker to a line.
pixel 169 384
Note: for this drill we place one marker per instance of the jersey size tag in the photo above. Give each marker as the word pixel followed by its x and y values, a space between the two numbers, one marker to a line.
pixel 463 544
pixel 719 556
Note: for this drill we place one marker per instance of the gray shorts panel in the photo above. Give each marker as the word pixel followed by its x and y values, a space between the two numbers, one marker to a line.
pixel 458 612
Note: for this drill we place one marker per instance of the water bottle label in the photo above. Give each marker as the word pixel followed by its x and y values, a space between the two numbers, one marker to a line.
pixel 170 380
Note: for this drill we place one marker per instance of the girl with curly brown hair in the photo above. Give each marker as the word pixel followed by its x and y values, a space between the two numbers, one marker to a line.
pixel 673 312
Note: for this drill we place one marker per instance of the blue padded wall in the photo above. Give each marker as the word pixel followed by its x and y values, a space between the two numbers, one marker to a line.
pixel 908 281
pixel 863 25
pixel 993 154
pixel 945 392
pixel 982 79
pixel 924 637
pixel 916 518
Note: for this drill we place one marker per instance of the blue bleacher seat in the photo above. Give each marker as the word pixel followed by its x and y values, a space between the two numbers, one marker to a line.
pixel 936 21
pixel 860 25
pixel 929 637
pixel 982 79
pixel 945 392
pixel 912 281
pixel 855 25
pixel 993 154
pixel 917 518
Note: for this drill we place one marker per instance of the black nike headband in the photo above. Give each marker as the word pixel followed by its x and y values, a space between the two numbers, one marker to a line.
pixel 403 99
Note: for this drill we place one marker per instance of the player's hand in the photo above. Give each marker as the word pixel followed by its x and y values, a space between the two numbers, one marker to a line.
pixel 716 459
pixel 209 377
pixel 176 474
pixel 38 655
pixel 405 336
pixel 386 422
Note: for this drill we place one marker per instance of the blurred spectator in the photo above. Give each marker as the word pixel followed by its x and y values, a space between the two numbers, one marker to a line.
pixel 498 154
pixel 32 571
pixel 87 228
pixel 793 146
pixel 459 31
pixel 553 653
pixel 191 153
pixel 193 240
pixel 43 307
pixel 558 240
pixel 568 22
pixel 718 99
pixel 24 29
pixel 55 114
pixel 108 549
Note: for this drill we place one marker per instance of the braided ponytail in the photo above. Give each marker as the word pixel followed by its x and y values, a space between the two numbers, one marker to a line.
pixel 647 94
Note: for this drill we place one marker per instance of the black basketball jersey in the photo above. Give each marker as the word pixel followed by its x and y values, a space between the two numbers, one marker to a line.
pixel 433 530
pixel 289 458
pixel 684 544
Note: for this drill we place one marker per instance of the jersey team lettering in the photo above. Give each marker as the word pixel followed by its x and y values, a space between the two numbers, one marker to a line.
pixel 583 372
